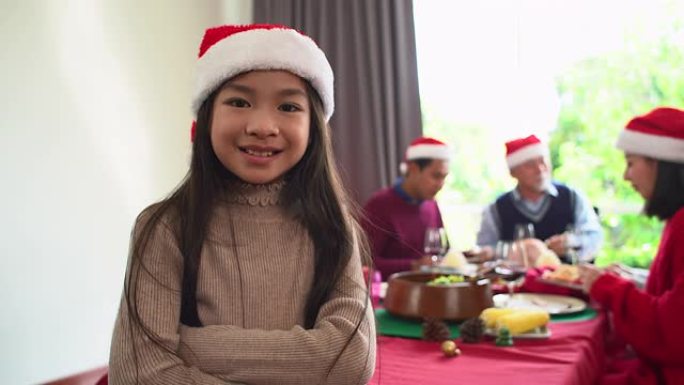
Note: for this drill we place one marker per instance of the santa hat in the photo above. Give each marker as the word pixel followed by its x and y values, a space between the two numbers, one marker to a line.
pixel 519 151
pixel 230 50
pixel 425 148
pixel 659 135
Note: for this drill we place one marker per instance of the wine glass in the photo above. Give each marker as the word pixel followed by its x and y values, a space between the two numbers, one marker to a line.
pixel 521 232
pixel 509 267
pixel 435 244
pixel 502 251
pixel 573 243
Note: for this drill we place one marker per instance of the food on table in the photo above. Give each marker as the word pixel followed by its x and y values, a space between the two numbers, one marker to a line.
pixel 472 330
pixel 548 259
pixel 447 280
pixel 434 329
pixel 566 273
pixel 454 259
pixel 517 321
pixel 523 321
pixel 409 295
pixel 534 250
pixel 450 349
pixel 492 314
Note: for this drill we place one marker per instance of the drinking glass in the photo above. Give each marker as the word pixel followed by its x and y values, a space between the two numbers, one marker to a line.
pixel 573 243
pixel 508 268
pixel 435 243
pixel 523 231
pixel 502 250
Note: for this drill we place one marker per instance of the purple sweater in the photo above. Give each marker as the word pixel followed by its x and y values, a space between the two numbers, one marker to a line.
pixel 396 229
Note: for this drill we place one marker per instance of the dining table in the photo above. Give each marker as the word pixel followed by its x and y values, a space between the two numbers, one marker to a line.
pixel 572 354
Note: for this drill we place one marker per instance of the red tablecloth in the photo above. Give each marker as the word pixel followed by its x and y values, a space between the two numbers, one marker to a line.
pixel 573 355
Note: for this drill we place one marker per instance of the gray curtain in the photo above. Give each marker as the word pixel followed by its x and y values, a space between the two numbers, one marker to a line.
pixel 372 49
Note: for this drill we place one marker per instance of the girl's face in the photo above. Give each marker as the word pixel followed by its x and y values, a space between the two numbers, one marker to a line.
pixel 641 172
pixel 260 125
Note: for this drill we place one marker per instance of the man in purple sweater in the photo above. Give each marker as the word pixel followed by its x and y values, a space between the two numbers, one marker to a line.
pixel 397 216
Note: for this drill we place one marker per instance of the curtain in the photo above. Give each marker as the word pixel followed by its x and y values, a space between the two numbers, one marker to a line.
pixel 372 49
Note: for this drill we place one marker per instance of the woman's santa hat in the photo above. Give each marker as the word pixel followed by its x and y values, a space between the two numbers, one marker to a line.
pixel 519 151
pixel 425 148
pixel 659 135
pixel 230 50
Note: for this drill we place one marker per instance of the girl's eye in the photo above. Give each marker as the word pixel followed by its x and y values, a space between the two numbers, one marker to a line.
pixel 287 107
pixel 237 102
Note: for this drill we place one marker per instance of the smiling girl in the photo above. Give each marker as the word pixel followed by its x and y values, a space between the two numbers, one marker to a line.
pixel 250 272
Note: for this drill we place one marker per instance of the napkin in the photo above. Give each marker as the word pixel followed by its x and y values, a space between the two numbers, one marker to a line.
pixel 533 285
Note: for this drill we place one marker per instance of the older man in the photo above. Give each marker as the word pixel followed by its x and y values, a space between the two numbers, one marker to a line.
pixel 550 207
pixel 397 217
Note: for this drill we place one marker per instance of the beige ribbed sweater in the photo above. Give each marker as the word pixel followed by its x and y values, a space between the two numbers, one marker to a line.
pixel 251 304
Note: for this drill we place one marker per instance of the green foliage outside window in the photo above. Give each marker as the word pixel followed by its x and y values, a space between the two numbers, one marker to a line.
pixel 598 96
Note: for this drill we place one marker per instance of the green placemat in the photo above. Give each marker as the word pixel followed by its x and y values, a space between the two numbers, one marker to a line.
pixel 390 325
pixel 584 315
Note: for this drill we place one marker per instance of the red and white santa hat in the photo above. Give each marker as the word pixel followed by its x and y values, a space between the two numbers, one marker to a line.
pixel 230 50
pixel 658 134
pixel 425 148
pixel 519 151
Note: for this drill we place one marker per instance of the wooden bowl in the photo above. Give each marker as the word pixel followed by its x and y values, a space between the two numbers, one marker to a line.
pixel 409 296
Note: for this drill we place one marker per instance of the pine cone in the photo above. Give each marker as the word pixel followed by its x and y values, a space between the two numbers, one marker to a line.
pixel 472 330
pixel 435 329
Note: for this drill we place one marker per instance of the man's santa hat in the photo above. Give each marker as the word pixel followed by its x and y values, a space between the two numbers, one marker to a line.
pixel 425 148
pixel 659 135
pixel 230 50
pixel 519 151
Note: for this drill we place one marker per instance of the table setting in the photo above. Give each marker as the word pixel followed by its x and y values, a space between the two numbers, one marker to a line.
pixel 486 322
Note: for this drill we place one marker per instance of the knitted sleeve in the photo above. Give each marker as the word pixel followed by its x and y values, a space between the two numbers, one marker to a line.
pixel 134 356
pixel 651 323
pixel 333 352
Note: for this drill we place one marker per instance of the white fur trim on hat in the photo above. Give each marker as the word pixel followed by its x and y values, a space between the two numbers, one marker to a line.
pixel 526 153
pixel 653 146
pixel 428 151
pixel 264 49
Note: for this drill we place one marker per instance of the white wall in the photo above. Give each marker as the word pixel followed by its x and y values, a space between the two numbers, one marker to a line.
pixel 94 126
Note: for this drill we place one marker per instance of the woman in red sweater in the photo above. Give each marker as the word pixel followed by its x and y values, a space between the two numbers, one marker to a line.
pixel 650 320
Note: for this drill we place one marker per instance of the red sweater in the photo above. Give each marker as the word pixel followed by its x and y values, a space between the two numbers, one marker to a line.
pixel 396 229
pixel 651 320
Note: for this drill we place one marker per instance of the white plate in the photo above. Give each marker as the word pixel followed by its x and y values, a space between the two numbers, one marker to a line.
pixel 561 283
pixel 554 304
pixel 538 333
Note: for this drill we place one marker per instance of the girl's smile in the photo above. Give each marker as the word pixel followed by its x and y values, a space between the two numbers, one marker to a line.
pixel 259 155
pixel 260 125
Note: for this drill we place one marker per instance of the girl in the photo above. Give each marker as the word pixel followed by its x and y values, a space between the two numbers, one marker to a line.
pixel 650 320
pixel 250 272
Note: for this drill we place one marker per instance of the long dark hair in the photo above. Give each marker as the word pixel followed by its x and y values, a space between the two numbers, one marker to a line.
pixel 327 212
pixel 668 192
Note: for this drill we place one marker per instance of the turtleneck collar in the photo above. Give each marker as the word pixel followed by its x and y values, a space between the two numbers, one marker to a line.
pixel 254 194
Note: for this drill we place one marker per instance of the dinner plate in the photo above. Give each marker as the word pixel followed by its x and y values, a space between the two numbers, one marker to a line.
pixel 538 333
pixel 561 283
pixel 554 304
